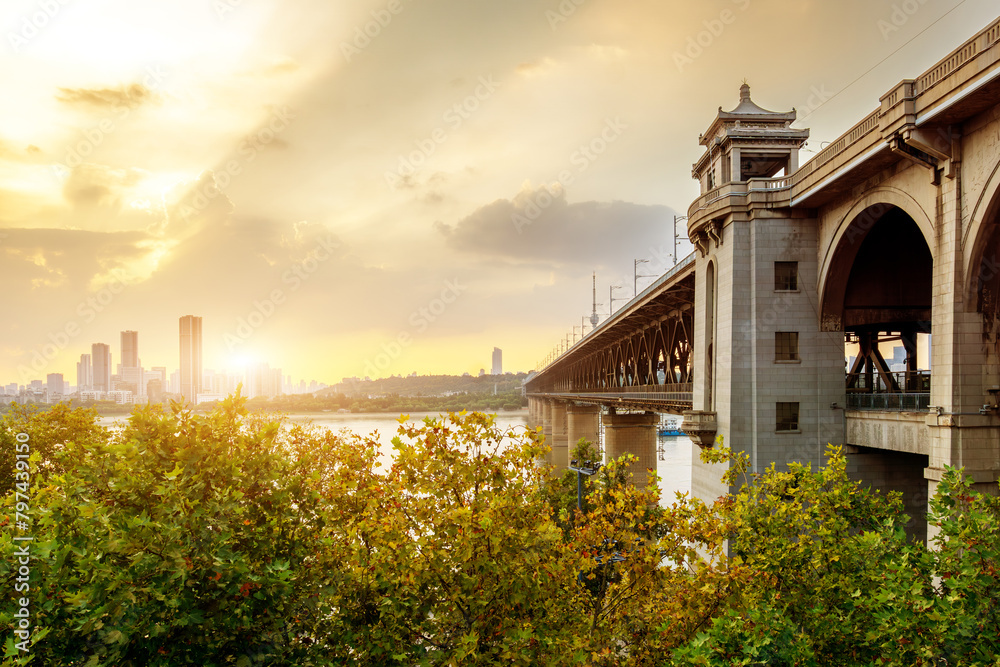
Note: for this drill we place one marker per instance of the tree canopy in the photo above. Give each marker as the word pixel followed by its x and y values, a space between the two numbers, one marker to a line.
pixel 233 538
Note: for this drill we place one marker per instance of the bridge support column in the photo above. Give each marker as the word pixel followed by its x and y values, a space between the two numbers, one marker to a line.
pixel 582 421
pixel 632 434
pixel 546 423
pixel 560 450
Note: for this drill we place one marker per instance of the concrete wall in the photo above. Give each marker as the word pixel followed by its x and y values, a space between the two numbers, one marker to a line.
pixel 894 471
pixel 892 431
pixel 632 434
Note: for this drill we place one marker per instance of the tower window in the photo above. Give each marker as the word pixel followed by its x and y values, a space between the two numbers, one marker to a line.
pixel 786 417
pixel 786 276
pixel 786 346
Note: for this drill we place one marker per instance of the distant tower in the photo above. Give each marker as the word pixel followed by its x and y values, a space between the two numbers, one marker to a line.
pixel 84 373
pixel 497 361
pixel 130 349
pixel 190 332
pixel 54 385
pixel 594 317
pixel 101 354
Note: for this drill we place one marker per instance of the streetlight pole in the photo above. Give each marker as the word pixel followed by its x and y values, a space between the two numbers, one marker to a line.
pixel 587 468
pixel 676 219
pixel 611 298
pixel 636 275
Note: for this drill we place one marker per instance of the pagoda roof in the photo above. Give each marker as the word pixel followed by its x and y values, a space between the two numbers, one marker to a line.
pixel 748 111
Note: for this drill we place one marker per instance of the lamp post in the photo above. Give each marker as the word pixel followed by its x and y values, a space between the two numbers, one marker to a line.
pixel 587 468
pixel 612 299
pixel 676 219
pixel 636 275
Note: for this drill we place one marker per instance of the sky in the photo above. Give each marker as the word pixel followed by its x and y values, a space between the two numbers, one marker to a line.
pixel 350 188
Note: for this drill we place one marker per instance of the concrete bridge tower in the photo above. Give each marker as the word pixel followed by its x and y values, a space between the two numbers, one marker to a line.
pixel 765 376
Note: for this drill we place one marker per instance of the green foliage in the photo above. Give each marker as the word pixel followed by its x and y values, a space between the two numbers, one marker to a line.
pixel 942 606
pixel 234 539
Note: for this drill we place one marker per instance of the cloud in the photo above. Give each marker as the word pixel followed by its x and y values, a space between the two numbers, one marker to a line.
pixel 92 185
pixel 63 258
pixel 29 154
pixel 538 225
pixel 193 205
pixel 131 96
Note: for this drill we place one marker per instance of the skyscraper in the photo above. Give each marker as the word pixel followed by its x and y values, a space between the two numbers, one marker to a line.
pixel 497 361
pixel 54 385
pixel 130 349
pixel 84 374
pixel 190 331
pixel 101 353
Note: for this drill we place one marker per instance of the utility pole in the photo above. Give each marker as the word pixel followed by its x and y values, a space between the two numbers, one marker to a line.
pixel 676 219
pixel 636 276
pixel 594 317
pixel 611 298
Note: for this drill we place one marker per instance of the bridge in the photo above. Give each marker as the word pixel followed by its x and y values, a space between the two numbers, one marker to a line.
pixel 776 333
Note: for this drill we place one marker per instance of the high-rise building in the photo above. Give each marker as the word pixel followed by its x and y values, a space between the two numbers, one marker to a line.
pixel 130 349
pixel 262 380
pixel 497 361
pixel 190 333
pixel 84 374
pixel 54 384
pixel 101 354
pixel 154 390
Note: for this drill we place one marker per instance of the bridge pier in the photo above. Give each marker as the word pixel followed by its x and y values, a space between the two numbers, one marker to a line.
pixel 559 443
pixel 894 471
pixel 582 421
pixel 545 406
pixel 632 434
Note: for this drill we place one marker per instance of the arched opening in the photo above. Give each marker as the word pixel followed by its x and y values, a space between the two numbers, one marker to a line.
pixel 710 289
pixel 985 280
pixel 878 292
pixel 988 288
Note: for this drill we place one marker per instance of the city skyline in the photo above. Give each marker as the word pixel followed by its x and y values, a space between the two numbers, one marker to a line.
pixel 130 369
pixel 346 188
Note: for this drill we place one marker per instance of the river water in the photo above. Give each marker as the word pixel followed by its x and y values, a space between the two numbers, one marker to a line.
pixel 674 453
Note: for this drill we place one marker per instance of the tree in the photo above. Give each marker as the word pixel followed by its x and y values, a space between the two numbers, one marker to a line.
pixel 942 605
pixel 451 558
pixel 179 540
pixel 813 546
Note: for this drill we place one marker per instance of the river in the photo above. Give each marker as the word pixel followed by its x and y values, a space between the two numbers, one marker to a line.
pixel 673 459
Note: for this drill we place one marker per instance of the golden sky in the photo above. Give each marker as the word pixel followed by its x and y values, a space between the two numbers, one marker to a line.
pixel 398 185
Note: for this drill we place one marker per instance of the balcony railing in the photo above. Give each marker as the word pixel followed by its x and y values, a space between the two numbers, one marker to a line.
pixel 897 391
pixel 889 402
pixel 895 382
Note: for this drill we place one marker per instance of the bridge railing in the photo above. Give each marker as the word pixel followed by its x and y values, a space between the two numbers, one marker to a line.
pixel 898 382
pixel 899 391
pixel 899 402
pixel 649 388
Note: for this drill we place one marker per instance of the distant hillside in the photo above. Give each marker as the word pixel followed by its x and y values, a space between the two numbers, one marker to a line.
pixel 428 385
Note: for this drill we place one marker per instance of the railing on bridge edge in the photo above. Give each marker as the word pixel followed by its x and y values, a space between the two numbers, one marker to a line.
pixel 907 391
pixel 684 263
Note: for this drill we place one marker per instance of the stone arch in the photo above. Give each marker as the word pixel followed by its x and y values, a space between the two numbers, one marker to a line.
pixel 711 305
pixel 976 240
pixel 981 255
pixel 855 224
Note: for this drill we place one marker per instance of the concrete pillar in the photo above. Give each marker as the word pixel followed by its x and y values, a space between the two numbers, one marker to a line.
pixel 582 421
pixel 632 434
pixel 546 410
pixel 894 471
pixel 560 452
